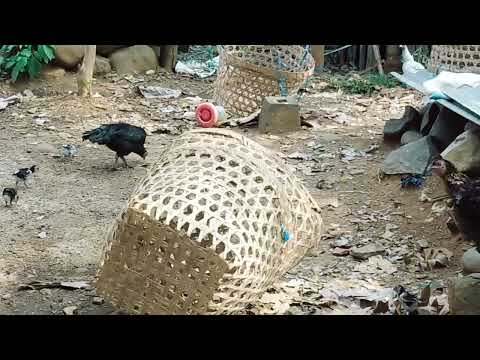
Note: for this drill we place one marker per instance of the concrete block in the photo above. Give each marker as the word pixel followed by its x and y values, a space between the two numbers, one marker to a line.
pixel 464 295
pixel 279 114
pixel 464 152
pixel 446 128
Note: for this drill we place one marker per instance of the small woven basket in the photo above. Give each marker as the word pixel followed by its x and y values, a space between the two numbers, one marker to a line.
pixel 204 231
pixel 248 73
pixel 455 58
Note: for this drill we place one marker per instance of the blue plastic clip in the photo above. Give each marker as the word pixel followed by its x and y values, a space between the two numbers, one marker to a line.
pixel 285 233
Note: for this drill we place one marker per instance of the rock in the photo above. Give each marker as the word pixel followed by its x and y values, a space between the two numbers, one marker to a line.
pixel 340 252
pixel 28 93
pixel 367 251
pixel 134 59
pixel 464 151
pixel 52 72
pixel 446 128
pixel 102 65
pixel 45 148
pixel 70 310
pixel 279 114
pixel 150 72
pixel 423 244
pixel 68 56
pixel 464 295
pixel 97 300
pixel 107 50
pixel 394 128
pixel 410 136
pixel 412 158
pixel 429 115
pixel 472 126
pixel 6 296
pixel 471 261
pixel 342 242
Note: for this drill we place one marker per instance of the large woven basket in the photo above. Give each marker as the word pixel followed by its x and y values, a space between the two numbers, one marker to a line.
pixel 203 232
pixel 248 73
pixel 455 58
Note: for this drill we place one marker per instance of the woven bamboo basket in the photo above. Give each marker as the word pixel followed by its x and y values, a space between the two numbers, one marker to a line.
pixel 202 233
pixel 455 58
pixel 248 73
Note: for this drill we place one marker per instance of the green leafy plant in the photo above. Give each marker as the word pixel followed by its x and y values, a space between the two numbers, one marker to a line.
pixel 361 84
pixel 20 59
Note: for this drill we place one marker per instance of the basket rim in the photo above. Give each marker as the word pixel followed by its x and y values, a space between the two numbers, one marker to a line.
pixel 242 63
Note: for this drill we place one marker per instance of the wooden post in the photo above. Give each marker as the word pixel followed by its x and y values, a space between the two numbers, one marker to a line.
pixel 318 53
pixel 85 73
pixel 378 59
pixel 168 56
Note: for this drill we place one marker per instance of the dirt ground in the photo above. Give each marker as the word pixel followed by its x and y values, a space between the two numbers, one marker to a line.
pixel 72 201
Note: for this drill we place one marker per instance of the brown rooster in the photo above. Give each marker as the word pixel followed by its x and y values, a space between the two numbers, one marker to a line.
pixel 464 191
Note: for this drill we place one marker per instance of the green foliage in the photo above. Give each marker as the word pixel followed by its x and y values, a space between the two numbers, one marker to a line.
pixel 365 84
pixel 17 60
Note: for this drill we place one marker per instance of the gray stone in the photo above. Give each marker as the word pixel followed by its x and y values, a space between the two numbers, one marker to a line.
pixel 367 251
pixel 97 300
pixel 472 126
pixel 342 242
pixel 429 115
pixel 471 261
pixel 134 59
pixel 340 252
pixel 69 56
pixel 446 128
pixel 102 65
pixel 279 114
pixel 44 148
pixel 413 158
pixel 464 152
pixel 107 50
pixel 410 136
pixel 70 310
pixel 52 72
pixel 394 128
pixel 464 295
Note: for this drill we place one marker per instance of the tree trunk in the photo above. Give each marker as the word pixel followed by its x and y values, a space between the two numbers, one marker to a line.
pixel 318 55
pixel 168 56
pixel 85 73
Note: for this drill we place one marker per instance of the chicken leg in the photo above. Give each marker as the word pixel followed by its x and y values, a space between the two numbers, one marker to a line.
pixel 125 162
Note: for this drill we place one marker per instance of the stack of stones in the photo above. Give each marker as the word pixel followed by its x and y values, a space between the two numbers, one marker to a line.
pixel 123 59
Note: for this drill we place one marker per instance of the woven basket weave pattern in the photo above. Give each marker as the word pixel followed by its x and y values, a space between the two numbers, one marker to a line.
pixel 249 73
pixel 455 58
pixel 220 197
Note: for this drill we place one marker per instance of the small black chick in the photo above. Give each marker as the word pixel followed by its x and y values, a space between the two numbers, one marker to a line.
pixel 464 191
pixel 121 138
pixel 24 174
pixel 9 196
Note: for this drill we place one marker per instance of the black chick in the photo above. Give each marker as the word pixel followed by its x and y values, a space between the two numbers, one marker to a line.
pixel 121 138
pixel 24 174
pixel 464 191
pixel 9 195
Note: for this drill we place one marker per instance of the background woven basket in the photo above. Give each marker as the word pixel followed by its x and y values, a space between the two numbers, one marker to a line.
pixel 455 58
pixel 248 73
pixel 202 232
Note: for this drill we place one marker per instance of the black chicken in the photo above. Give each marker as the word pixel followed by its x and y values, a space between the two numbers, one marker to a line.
pixel 24 174
pixel 464 191
pixel 121 138
pixel 9 195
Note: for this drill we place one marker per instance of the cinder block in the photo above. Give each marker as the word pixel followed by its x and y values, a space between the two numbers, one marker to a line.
pixel 279 114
